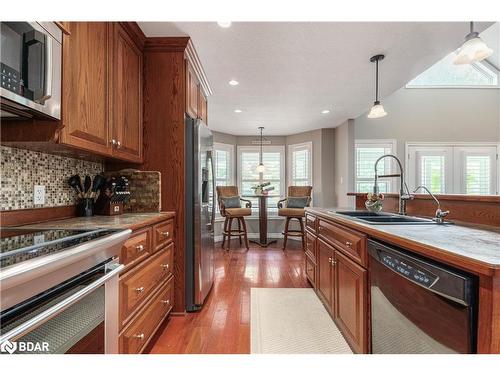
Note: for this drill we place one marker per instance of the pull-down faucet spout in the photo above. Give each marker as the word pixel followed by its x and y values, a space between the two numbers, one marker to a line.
pixel 403 196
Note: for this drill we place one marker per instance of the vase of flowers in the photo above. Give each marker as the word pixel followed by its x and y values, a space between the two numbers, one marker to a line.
pixel 374 202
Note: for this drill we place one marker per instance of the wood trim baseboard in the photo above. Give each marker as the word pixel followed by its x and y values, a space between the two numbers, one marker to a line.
pixel 35 215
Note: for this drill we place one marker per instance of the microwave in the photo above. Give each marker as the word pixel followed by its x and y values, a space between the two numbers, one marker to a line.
pixel 30 70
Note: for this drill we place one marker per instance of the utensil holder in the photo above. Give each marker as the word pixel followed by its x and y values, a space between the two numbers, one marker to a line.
pixel 85 207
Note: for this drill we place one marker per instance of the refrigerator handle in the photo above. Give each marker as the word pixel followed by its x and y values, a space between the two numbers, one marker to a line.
pixel 211 173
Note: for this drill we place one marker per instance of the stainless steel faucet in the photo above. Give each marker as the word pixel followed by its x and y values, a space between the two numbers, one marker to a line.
pixel 440 214
pixel 403 197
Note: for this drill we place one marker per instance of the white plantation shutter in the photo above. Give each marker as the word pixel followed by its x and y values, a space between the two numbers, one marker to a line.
pixel 367 153
pixel 432 173
pixel 300 164
pixel 477 175
pixel 453 169
pixel 224 165
pixel 273 159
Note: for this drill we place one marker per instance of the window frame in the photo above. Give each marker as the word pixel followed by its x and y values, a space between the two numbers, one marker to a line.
pixel 476 65
pixel 393 145
pixel 456 181
pixel 265 148
pixel 232 162
pixel 299 147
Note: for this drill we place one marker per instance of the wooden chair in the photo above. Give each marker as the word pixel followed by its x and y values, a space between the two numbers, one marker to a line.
pixel 294 213
pixel 233 213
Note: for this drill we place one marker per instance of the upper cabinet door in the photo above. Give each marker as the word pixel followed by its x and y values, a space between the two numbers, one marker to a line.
pixel 202 106
pixel 192 88
pixel 127 97
pixel 85 86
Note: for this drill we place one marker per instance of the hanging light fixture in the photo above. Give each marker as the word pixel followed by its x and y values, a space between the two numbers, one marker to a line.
pixel 261 168
pixel 473 49
pixel 377 110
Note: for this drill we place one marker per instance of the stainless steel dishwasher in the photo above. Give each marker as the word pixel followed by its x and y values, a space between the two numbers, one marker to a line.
pixel 419 305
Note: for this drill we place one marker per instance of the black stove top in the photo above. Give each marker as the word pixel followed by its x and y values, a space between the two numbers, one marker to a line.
pixel 18 245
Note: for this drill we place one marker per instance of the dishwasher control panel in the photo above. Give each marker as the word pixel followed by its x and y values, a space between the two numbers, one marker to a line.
pixel 409 270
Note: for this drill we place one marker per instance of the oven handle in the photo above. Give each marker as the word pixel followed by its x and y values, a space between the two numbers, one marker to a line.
pixel 47 82
pixel 38 320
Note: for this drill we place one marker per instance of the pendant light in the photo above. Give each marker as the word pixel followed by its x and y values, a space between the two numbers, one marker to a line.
pixel 377 110
pixel 473 49
pixel 261 168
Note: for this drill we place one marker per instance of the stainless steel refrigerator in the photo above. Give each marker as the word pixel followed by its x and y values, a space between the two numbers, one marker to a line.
pixel 200 213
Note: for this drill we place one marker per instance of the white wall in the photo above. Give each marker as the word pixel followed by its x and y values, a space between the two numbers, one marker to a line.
pixel 432 115
pixel 344 164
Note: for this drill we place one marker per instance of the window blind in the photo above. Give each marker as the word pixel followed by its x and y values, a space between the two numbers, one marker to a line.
pixel 477 169
pixel 432 173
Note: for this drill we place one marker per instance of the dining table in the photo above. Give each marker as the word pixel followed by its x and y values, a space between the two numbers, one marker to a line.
pixel 263 241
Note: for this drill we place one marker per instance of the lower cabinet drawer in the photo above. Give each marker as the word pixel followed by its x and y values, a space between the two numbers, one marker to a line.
pixel 137 285
pixel 311 271
pixel 136 336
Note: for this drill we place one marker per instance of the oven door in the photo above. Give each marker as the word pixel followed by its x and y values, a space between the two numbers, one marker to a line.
pixel 30 69
pixel 79 316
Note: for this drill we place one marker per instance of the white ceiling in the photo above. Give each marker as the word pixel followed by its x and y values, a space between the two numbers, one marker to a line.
pixel 290 71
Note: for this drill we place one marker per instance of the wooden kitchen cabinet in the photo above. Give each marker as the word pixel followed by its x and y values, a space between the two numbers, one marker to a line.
pixel 341 277
pixel 192 89
pixel 102 90
pixel 351 301
pixel 85 86
pixel 146 289
pixel 326 275
pixel 126 93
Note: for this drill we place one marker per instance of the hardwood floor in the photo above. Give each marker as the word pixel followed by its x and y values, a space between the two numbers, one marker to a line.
pixel 223 325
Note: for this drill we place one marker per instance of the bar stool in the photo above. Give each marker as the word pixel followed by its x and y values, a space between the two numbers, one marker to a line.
pixel 295 209
pixel 230 213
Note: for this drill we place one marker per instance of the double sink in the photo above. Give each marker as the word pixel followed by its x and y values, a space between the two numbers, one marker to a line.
pixel 384 218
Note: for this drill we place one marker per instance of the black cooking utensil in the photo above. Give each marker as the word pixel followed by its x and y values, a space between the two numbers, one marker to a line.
pixel 75 183
pixel 97 183
pixel 86 185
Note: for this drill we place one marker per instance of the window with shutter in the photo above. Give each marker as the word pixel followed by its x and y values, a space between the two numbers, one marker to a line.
pixel 453 169
pixel 273 159
pixel 300 164
pixel 366 154
pixel 224 165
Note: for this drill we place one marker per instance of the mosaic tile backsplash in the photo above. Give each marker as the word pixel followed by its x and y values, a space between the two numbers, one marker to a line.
pixel 21 170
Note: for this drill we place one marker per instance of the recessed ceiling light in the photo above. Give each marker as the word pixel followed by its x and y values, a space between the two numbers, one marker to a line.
pixel 224 24
pixel 233 82
pixel 237 110
pixel 325 111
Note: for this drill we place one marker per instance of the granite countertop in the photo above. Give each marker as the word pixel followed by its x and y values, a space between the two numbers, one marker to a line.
pixel 479 244
pixel 125 221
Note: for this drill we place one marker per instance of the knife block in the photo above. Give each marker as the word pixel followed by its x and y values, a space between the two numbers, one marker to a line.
pixel 105 206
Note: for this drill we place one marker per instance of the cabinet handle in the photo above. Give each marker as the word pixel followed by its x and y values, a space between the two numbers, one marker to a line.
pixel 113 142
pixel 166 302
pixel 330 260
pixel 118 144
pixel 165 266
pixel 165 234
pixel 139 248
pixel 140 336
pixel 140 289
pixel 348 244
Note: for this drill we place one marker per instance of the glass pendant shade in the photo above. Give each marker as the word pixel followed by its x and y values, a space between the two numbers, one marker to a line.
pixel 377 111
pixel 261 168
pixel 474 49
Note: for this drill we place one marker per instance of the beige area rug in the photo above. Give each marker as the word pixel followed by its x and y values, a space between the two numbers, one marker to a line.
pixel 292 321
